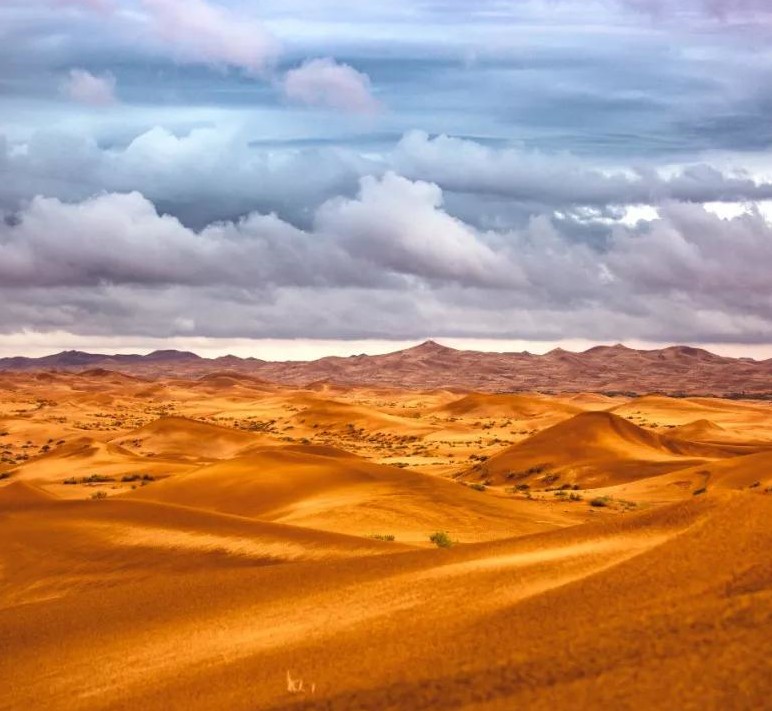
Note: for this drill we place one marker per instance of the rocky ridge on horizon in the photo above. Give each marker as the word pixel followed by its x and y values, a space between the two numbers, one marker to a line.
pixel 673 370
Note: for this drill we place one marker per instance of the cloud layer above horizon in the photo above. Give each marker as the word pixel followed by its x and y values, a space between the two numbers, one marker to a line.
pixel 532 170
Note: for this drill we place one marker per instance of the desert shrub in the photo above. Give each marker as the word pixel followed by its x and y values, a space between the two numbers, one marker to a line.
pixel 755 485
pixel 99 495
pixel 523 487
pixel 575 497
pixel 5 475
pixel 441 539
pixel 560 494
pixel 478 487
pixel 71 481
pixel 383 537
pixel 699 492
pixel 129 478
pixel 600 502
pixel 97 479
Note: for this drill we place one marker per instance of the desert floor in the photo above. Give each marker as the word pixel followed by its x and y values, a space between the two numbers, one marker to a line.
pixel 225 543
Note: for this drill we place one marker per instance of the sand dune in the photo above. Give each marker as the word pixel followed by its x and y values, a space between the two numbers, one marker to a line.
pixel 186 439
pixel 701 431
pixel 579 616
pixel 594 449
pixel 242 547
pixel 82 458
pixel 507 405
pixel 334 415
pixel 327 491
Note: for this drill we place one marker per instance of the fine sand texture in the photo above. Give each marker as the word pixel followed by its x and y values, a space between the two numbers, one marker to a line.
pixel 219 542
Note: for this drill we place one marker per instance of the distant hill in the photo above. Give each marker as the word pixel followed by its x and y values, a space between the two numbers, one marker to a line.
pixel 606 369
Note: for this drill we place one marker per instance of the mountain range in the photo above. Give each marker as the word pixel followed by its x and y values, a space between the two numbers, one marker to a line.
pixel 672 370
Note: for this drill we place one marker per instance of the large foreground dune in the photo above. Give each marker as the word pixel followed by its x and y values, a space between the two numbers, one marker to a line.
pixel 222 543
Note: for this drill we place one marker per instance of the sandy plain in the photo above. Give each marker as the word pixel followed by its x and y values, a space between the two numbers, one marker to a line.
pixel 217 542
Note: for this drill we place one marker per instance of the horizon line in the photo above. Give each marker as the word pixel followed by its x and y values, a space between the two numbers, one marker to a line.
pixel 303 350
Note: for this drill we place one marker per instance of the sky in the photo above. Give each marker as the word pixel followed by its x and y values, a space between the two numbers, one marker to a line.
pixel 291 178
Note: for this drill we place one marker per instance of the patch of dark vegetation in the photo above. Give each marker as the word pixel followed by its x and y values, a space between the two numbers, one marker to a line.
pixel 137 477
pixel 442 539
pixel 88 480
pixel 700 491
pixel 383 537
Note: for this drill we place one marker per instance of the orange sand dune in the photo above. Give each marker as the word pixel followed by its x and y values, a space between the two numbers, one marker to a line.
pixel 21 495
pixel 225 546
pixel 507 405
pixel 334 415
pixel 701 431
pixel 594 449
pixel 55 547
pixel 186 439
pixel 85 457
pixel 652 610
pixel 752 473
pixel 323 490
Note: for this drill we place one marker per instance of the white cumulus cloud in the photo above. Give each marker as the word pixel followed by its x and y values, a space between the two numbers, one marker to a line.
pixel 327 83
pixel 87 88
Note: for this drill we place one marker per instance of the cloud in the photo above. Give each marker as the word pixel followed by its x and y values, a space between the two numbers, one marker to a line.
pixel 399 225
pixel 211 174
pixel 389 262
pixel 723 9
pixel 101 6
pixel 201 32
pixel 355 242
pixel 560 179
pixel 326 83
pixel 86 88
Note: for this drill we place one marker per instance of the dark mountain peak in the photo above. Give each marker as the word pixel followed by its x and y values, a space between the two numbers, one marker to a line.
pixel 429 348
pixel 616 349
pixel 172 355
pixel 67 358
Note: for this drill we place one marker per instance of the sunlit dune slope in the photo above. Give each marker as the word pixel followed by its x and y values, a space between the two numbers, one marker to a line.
pixel 333 415
pixel 752 473
pixel 54 547
pixel 701 431
pixel 84 457
pixel 594 449
pixel 683 620
pixel 186 439
pixel 507 405
pixel 623 613
pixel 331 490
